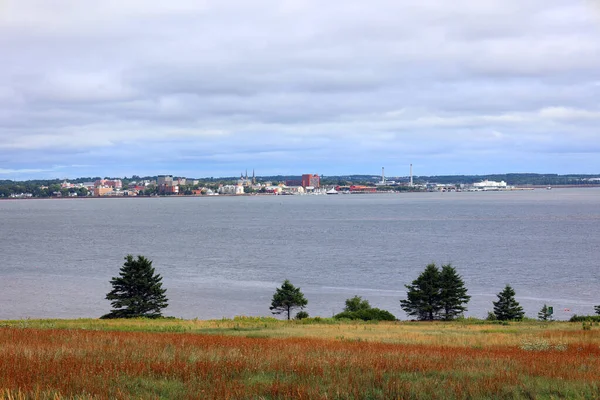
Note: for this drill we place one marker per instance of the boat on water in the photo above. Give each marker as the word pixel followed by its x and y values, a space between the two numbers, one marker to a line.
pixel 332 191
pixel 549 188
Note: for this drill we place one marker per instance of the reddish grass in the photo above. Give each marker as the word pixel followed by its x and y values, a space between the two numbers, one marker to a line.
pixel 138 364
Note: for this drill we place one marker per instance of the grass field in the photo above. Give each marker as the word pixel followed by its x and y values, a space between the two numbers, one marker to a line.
pixel 263 358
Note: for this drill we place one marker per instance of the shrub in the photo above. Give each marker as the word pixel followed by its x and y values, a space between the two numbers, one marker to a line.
pixel 585 318
pixel 491 316
pixel 370 314
pixel 301 315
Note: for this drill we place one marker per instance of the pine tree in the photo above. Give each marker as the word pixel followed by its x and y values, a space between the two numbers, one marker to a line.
pixel 137 292
pixel 544 314
pixel 507 308
pixel 286 298
pixel 423 298
pixel 597 308
pixel 453 293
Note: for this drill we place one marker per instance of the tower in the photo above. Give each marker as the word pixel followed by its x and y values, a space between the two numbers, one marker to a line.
pixel 411 175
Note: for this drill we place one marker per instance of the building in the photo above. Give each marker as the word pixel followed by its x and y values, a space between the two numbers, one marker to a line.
pixel 173 189
pixel 102 190
pixel 293 182
pixel 362 189
pixel 231 189
pixel 273 189
pixel 166 185
pixel 490 185
pixel 166 180
pixel 310 180
pixel 112 183
pixel 292 189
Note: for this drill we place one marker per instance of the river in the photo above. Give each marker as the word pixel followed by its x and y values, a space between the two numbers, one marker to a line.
pixel 224 256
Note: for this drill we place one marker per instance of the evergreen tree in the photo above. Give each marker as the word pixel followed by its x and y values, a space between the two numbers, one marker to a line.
pixel 423 298
pixel 544 314
pixel 507 308
pixel 597 308
pixel 137 292
pixel 286 298
pixel 453 293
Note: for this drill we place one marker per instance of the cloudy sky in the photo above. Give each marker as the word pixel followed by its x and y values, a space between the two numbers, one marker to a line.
pixel 214 87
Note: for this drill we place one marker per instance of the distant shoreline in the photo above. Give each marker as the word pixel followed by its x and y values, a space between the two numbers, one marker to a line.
pixel 516 188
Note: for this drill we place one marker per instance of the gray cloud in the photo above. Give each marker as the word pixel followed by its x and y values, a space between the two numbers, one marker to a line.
pixel 206 87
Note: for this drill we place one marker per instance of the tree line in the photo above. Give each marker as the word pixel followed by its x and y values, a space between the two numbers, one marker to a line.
pixel 436 295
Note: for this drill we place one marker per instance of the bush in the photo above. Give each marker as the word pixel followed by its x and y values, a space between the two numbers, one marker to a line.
pixel 585 318
pixel 491 316
pixel 301 315
pixel 369 314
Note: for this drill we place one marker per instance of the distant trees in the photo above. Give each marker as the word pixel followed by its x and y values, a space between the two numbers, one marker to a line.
pixel 507 308
pixel 436 294
pixel 137 292
pixel 357 308
pixel 286 298
pixel 597 309
pixel 545 313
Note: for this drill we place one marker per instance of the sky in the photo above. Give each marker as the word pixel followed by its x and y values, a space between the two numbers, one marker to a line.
pixel 202 88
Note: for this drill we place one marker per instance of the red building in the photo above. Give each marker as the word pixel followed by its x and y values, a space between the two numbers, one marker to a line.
pixel 362 189
pixel 310 180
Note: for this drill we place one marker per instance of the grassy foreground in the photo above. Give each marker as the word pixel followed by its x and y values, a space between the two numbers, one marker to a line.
pixel 262 358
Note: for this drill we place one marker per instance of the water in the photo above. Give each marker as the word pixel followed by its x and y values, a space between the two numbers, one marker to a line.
pixel 224 256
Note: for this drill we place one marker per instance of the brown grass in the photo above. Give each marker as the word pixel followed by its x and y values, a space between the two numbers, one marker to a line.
pixel 336 361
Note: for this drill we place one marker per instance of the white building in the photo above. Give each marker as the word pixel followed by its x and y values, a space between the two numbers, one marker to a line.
pixel 231 189
pixel 293 189
pixel 490 185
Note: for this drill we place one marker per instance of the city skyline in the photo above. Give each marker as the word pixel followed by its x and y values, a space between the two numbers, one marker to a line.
pixel 205 89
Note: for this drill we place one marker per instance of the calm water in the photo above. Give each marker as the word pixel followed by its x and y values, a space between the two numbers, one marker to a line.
pixel 222 257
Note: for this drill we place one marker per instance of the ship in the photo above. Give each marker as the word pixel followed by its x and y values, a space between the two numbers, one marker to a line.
pixel 332 191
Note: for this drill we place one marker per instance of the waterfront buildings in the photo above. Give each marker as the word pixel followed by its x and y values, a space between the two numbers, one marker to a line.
pixel 231 189
pixel 111 183
pixel 311 181
pixel 165 180
pixel 102 190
